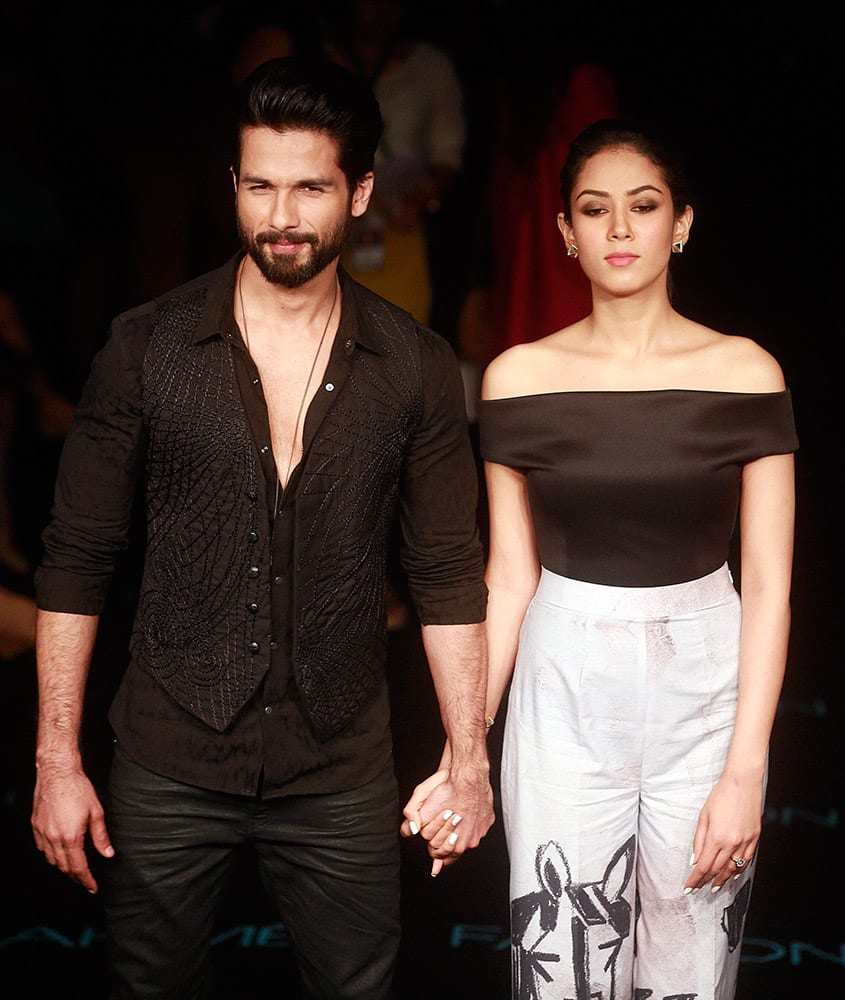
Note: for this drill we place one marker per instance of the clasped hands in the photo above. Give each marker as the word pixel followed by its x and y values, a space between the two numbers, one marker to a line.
pixel 452 810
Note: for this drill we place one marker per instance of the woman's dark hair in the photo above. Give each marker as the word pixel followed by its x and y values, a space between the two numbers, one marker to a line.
pixel 612 133
pixel 317 95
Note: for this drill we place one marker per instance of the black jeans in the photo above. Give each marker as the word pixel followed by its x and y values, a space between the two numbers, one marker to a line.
pixel 330 863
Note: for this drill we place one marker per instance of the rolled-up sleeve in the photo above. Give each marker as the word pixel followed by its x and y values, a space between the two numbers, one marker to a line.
pixel 97 479
pixel 441 548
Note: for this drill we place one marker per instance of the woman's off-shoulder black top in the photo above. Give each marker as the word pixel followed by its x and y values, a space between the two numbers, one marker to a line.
pixel 635 488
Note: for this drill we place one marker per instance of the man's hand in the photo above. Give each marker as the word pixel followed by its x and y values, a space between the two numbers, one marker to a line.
pixel 452 810
pixel 65 807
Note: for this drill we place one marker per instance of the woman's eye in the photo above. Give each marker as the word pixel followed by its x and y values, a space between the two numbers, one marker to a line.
pixel 648 207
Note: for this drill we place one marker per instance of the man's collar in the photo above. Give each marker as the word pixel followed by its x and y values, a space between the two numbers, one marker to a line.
pixel 218 317
pixel 351 320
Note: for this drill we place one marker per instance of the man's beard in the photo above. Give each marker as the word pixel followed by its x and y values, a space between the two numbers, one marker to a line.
pixel 296 270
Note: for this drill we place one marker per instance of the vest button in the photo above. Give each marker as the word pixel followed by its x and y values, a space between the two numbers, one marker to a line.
pixel 253 648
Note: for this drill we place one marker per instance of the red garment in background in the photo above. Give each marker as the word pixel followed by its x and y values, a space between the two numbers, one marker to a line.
pixel 536 289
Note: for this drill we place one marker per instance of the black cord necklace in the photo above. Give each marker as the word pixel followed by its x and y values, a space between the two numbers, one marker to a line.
pixel 307 383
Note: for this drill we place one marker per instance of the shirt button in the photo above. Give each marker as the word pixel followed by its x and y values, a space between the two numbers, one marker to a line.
pixel 329 386
pixel 253 536
pixel 277 579
pixel 252 494
pixel 264 449
pixel 349 344
pixel 253 572
pixel 253 648
pixel 252 607
pixel 268 709
pixel 255 381
pixel 274 645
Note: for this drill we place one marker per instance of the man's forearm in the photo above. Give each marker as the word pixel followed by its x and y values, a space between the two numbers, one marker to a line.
pixel 64 645
pixel 453 810
pixel 458 663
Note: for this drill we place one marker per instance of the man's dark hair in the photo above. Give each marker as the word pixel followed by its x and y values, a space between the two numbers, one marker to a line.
pixel 315 95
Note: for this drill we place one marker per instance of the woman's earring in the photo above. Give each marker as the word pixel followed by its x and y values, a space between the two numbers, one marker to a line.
pixel 572 251
pixel 678 246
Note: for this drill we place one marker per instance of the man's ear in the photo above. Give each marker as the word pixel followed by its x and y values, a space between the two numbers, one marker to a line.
pixel 362 194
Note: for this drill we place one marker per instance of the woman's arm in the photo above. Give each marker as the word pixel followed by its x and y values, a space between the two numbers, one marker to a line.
pixel 767 515
pixel 512 574
pixel 729 826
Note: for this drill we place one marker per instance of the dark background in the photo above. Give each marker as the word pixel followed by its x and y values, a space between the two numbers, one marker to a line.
pixel 113 187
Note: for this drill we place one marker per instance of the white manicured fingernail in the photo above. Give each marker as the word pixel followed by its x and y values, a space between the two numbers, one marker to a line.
pixel 456 820
pixel 716 888
pixel 692 859
pixel 414 828
pixel 453 838
pixel 688 890
pixel 447 814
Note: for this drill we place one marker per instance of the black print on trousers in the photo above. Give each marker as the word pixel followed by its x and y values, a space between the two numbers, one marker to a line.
pixel 733 916
pixel 593 905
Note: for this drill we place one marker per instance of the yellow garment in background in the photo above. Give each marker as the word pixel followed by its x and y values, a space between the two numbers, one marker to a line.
pixel 403 275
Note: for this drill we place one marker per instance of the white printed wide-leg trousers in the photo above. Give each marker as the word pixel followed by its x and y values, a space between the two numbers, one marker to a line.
pixel 619 718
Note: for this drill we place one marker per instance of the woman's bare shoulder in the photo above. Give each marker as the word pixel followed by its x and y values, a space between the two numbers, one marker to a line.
pixel 514 372
pixel 524 368
pixel 736 363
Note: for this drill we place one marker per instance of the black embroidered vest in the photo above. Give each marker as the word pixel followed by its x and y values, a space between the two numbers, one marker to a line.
pixel 205 509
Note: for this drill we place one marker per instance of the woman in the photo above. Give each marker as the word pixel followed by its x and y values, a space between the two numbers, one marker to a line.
pixel 618 452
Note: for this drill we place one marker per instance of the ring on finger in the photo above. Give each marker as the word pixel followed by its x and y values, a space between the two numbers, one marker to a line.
pixel 739 862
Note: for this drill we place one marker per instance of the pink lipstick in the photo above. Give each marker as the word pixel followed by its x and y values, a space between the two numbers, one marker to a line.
pixel 621 259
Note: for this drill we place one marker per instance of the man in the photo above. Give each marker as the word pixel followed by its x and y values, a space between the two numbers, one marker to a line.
pixel 275 413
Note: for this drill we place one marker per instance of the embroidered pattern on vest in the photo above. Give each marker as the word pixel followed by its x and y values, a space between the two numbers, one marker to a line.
pixel 343 524
pixel 202 492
